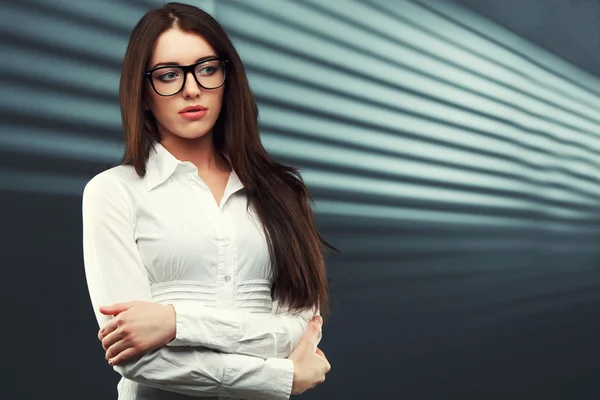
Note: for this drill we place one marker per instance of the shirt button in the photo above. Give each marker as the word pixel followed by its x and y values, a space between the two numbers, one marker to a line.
pixel 227 242
pixel 227 278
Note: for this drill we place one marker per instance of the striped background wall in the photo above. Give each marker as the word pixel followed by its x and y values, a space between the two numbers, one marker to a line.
pixel 454 164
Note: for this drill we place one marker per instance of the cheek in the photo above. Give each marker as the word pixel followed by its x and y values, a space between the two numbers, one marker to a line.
pixel 161 107
pixel 217 101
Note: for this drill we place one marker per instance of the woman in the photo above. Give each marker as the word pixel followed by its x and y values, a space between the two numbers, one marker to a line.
pixel 203 262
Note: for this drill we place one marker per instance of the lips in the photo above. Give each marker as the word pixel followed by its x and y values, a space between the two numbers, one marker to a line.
pixel 195 108
pixel 193 113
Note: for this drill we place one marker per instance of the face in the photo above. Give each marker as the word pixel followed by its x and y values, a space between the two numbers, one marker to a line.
pixel 174 123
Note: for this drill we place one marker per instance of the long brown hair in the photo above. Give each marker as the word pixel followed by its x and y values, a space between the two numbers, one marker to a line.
pixel 277 192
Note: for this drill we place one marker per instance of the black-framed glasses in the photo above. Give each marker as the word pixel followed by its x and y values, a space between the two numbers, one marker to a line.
pixel 169 80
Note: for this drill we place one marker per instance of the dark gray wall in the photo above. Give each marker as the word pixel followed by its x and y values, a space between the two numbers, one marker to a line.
pixel 568 28
pixel 454 162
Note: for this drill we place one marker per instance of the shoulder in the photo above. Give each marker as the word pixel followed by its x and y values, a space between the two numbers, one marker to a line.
pixel 112 179
pixel 116 184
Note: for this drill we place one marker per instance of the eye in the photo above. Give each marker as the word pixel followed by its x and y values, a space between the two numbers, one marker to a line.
pixel 168 76
pixel 208 68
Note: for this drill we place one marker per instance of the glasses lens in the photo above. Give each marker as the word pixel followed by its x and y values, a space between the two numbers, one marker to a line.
pixel 210 74
pixel 169 80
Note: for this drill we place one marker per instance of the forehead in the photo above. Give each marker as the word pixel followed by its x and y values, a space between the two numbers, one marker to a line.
pixel 180 47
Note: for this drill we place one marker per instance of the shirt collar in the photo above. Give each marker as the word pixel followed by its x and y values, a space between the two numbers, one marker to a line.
pixel 162 164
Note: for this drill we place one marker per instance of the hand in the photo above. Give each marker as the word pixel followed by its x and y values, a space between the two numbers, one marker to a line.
pixel 310 365
pixel 137 328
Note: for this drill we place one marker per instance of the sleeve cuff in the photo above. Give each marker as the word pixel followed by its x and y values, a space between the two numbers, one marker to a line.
pixel 188 330
pixel 196 325
pixel 258 379
pixel 283 377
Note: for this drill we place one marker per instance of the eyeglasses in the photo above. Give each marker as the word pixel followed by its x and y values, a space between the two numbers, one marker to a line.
pixel 170 80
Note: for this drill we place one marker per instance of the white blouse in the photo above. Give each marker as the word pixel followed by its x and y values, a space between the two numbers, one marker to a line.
pixel 164 238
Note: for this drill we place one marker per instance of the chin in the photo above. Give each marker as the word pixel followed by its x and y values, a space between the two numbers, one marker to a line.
pixel 192 135
pixel 189 131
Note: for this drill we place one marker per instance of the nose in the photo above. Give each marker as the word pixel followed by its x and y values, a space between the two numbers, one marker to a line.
pixel 191 88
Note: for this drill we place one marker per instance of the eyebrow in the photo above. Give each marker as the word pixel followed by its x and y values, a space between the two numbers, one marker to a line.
pixel 160 64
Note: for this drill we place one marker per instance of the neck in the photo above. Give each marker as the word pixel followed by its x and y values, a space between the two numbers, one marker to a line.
pixel 201 152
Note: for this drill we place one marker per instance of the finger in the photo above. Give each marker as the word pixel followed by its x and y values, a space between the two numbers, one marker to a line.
pixel 117 348
pixel 111 339
pixel 318 382
pixel 327 365
pixel 311 336
pixel 117 308
pixel 318 319
pixel 108 328
pixel 123 356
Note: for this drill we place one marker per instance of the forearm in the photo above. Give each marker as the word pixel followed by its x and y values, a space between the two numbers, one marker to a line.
pixel 200 372
pixel 239 332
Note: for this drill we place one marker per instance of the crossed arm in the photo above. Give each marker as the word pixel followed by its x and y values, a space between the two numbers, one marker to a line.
pixel 216 352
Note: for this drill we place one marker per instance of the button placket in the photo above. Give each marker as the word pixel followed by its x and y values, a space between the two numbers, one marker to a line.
pixel 230 245
pixel 213 212
pixel 224 245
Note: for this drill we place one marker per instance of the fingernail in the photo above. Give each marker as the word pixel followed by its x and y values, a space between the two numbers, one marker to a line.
pixel 111 362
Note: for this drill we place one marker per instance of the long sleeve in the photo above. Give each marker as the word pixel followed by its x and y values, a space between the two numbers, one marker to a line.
pixel 240 332
pixel 115 273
